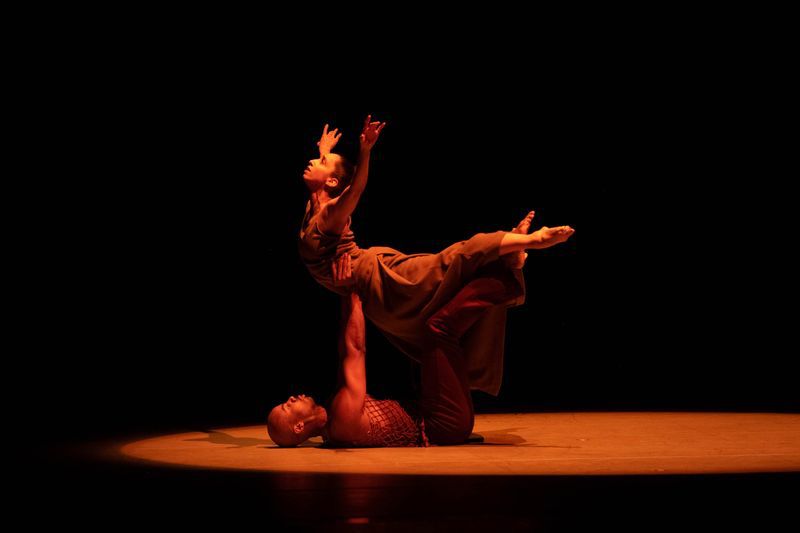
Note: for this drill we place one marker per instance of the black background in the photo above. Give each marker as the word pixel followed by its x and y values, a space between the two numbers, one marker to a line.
pixel 159 158
pixel 169 294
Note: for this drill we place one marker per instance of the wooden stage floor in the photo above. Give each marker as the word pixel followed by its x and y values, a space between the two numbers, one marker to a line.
pixel 623 471
pixel 520 444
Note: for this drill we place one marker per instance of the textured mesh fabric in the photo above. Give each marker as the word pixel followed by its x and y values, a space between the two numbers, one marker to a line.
pixel 389 424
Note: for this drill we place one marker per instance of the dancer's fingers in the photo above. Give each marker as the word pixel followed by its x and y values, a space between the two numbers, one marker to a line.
pixel 325 130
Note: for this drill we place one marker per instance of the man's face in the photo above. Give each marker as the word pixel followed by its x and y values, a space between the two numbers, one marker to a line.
pixel 298 407
pixel 287 421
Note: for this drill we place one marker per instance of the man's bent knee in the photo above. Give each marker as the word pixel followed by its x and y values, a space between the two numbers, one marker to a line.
pixel 454 432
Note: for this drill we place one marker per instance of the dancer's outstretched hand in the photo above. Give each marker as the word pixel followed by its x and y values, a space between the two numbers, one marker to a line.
pixel 328 140
pixel 370 133
pixel 343 271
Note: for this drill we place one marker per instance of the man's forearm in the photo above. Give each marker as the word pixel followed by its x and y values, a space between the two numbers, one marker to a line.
pixel 353 334
pixel 352 349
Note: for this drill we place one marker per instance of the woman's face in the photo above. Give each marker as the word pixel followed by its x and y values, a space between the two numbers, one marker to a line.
pixel 319 171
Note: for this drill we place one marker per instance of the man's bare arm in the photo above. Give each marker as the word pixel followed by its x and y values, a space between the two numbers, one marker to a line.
pixel 349 399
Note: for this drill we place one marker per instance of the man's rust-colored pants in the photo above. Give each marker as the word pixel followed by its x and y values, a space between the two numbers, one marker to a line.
pixel 445 402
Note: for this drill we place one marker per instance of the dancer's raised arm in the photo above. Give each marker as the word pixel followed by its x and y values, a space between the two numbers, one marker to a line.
pixel 348 403
pixel 328 140
pixel 339 209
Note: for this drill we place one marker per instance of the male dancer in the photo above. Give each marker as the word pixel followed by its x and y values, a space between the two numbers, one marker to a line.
pixel 354 418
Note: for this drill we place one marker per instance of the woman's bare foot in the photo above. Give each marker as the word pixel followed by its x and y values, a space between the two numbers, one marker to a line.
pixel 546 237
pixel 517 259
pixel 525 224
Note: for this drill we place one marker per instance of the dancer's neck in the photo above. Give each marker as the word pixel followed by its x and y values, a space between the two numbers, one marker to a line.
pixel 318 200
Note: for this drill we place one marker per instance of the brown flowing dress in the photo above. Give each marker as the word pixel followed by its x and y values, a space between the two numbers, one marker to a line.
pixel 399 292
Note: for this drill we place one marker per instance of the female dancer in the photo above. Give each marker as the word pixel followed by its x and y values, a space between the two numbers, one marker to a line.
pixel 399 292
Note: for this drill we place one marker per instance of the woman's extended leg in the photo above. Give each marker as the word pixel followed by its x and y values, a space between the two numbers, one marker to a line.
pixel 542 238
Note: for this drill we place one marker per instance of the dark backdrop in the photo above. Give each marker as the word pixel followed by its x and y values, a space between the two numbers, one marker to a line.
pixel 173 296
